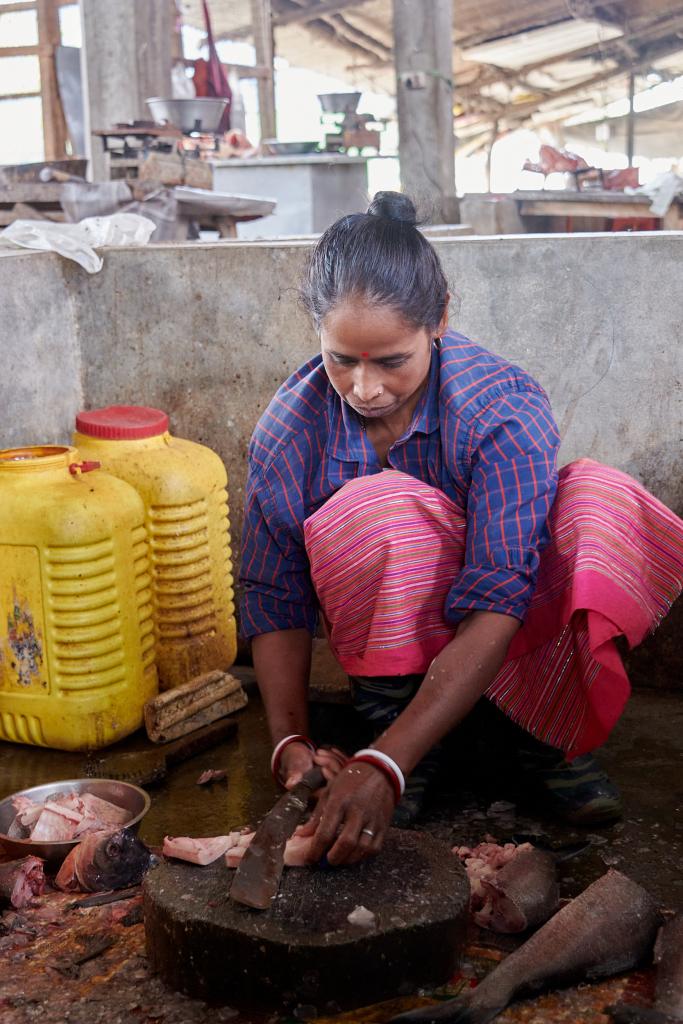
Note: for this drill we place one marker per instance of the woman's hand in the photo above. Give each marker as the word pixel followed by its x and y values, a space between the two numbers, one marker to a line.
pixel 295 761
pixel 352 816
pixel 297 758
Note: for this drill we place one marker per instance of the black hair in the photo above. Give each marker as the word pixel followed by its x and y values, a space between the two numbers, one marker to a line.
pixel 381 257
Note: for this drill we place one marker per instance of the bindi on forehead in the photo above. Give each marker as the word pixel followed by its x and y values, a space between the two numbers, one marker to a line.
pixel 365 355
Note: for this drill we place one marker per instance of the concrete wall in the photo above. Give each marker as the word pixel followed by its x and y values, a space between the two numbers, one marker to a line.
pixel 208 332
pixel 40 359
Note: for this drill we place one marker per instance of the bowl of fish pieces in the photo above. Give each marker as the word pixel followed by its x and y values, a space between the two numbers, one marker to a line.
pixel 48 821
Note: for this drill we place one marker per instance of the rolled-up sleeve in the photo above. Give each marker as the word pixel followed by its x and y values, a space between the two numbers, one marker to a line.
pixel 275 575
pixel 513 449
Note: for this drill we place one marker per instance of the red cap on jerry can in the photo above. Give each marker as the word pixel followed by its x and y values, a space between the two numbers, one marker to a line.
pixel 122 422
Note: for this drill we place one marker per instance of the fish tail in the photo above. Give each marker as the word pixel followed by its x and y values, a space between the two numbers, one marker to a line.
pixel 453 1011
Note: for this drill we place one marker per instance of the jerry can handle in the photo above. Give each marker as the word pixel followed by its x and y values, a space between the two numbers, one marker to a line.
pixel 76 468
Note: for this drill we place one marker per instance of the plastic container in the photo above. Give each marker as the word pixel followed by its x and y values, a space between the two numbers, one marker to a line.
pixel 76 626
pixel 183 487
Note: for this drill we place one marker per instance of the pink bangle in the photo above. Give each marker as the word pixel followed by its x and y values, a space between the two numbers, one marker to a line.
pixel 384 764
pixel 280 748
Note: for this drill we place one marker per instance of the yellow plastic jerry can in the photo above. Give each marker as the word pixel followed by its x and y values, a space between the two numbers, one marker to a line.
pixel 76 626
pixel 183 486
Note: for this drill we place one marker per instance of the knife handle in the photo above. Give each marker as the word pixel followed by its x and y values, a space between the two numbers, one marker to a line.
pixel 313 778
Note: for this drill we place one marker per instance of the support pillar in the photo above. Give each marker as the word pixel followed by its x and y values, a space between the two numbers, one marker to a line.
pixel 262 31
pixel 125 58
pixel 631 120
pixel 49 38
pixel 423 48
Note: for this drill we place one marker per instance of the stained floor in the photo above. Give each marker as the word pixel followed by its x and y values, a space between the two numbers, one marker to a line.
pixel 644 756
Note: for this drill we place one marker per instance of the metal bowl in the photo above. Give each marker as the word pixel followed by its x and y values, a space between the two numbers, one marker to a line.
pixel 276 148
pixel 339 102
pixel 124 794
pixel 201 114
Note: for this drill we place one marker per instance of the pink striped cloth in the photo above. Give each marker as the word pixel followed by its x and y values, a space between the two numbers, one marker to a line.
pixel 384 552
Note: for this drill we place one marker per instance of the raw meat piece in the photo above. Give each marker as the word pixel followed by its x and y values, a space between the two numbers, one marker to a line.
pixel 361 917
pixel 52 827
pixel 79 815
pixel 297 850
pixel 198 851
pixel 28 812
pixel 211 775
pixel 295 854
pixel 65 809
pixel 522 894
pixel 21 880
pixel 107 812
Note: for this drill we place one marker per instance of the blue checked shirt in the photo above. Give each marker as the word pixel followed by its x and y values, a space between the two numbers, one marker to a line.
pixel 483 433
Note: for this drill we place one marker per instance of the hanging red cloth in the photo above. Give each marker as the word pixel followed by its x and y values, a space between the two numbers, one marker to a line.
pixel 209 76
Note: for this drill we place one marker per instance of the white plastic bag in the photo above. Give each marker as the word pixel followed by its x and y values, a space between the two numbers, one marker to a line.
pixel 78 241
pixel 182 87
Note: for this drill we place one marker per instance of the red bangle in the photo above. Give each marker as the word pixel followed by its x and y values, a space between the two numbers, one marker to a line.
pixel 385 769
pixel 282 746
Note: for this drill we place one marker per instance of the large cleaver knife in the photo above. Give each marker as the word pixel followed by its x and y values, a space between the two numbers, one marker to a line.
pixel 257 878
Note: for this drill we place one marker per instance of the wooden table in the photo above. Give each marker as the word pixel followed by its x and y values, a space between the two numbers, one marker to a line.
pixel 603 204
pixel 30 200
pixel 220 211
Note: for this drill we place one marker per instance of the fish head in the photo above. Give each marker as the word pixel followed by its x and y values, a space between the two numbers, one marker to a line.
pixel 119 860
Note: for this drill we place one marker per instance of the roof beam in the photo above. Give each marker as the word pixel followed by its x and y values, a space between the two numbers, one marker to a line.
pixel 524 110
pixel 360 38
pixel 304 14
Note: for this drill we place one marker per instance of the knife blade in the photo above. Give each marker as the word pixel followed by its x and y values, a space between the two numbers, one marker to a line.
pixel 257 878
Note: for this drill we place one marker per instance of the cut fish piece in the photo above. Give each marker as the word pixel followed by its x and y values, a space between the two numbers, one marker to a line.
pixel 197 851
pixel 107 812
pixel 53 827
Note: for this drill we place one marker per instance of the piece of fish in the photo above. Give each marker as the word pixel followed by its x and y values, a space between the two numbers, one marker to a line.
pixel 512 887
pixel 522 894
pixel 20 881
pixel 668 1005
pixel 103 861
pixel 62 817
pixel 295 855
pixel 212 775
pixel 198 851
pixel 607 929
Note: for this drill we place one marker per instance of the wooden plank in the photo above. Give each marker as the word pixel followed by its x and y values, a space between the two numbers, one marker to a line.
pixel 17 95
pixel 572 196
pixel 548 208
pixel 54 124
pixel 182 702
pixel 262 29
pixel 24 51
pixel 31 192
pixel 24 211
pixel 25 5
pixel 211 713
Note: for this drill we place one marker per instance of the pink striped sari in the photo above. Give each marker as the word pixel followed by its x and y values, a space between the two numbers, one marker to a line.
pixel 384 552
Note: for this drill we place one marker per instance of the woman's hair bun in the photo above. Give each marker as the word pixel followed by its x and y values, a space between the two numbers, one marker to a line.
pixel 393 206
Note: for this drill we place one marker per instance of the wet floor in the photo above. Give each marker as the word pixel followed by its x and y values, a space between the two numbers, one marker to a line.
pixel 477 795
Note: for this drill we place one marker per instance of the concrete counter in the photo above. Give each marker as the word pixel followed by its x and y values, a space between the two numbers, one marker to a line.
pixel 311 191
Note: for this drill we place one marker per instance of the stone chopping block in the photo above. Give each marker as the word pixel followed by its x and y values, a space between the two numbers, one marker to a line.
pixel 304 949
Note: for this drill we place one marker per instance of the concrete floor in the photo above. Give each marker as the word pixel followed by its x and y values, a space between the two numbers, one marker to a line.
pixel 643 756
